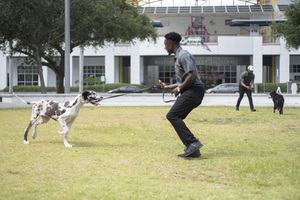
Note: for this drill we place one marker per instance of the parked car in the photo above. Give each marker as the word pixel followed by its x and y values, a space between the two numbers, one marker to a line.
pixel 126 89
pixel 224 88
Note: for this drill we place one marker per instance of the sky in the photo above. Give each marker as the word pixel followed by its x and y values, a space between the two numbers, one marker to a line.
pixel 194 2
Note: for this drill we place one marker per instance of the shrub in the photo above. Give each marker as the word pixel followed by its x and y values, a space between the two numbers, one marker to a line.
pixel 97 88
pixel 30 89
pixel 269 87
pixel 262 87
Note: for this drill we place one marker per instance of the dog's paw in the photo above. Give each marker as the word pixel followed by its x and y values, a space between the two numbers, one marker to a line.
pixel 68 145
pixel 26 142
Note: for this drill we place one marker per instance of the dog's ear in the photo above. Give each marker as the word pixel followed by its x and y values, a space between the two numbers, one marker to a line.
pixel 85 94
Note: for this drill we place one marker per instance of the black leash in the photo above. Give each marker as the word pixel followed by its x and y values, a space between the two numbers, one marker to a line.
pixel 114 96
pixel 119 95
pixel 167 101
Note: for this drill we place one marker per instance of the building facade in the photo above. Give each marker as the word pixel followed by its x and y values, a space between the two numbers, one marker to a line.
pixel 236 35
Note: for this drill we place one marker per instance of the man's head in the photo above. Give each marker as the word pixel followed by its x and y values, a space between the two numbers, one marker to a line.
pixel 172 42
pixel 250 69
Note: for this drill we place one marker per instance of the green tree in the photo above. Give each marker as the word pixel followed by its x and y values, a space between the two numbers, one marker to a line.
pixel 36 28
pixel 290 30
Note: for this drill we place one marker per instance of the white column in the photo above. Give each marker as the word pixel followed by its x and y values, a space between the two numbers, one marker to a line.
pixel 284 63
pixel 81 64
pixel 135 65
pixel 257 60
pixel 45 74
pixel 3 71
pixel 71 70
pixel 142 70
pixel 109 66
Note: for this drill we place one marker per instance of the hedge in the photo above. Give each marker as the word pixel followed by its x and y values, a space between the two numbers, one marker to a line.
pixel 269 87
pixel 97 88
pixel 262 87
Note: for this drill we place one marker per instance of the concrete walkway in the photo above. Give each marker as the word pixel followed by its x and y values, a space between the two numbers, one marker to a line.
pixel 149 99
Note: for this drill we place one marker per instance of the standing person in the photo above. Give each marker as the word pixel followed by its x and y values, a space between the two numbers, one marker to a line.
pixel 188 89
pixel 246 85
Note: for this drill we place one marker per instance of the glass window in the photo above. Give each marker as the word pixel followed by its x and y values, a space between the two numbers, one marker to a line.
pixel 28 75
pixel 211 75
pixel 93 72
pixel 167 74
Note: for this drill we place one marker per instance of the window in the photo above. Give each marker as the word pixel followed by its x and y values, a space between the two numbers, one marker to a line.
pixel 28 75
pixel 167 74
pixel 294 68
pixel 93 72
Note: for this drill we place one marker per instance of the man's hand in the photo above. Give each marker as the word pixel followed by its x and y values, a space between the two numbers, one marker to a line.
pixel 176 91
pixel 161 84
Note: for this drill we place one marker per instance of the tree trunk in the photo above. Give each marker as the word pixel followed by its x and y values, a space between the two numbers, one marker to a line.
pixel 60 86
pixel 40 72
pixel 42 80
pixel 59 72
pixel 60 89
pixel 40 69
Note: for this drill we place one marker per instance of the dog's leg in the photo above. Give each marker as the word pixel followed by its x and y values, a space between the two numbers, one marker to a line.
pixel 34 117
pixel 26 132
pixel 43 120
pixel 66 143
pixel 66 129
pixel 280 106
pixel 63 123
pixel 66 138
pixel 280 111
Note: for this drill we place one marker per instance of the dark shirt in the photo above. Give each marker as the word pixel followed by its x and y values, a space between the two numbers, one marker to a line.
pixel 185 63
pixel 247 78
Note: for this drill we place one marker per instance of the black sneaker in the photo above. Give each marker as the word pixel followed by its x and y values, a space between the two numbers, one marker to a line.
pixel 196 154
pixel 253 110
pixel 237 108
pixel 192 148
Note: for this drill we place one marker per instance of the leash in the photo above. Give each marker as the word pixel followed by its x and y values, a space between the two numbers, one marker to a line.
pixel 114 96
pixel 119 95
pixel 166 101
pixel 123 94
pixel 21 99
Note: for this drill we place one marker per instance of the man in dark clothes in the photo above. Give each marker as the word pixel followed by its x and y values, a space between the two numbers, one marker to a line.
pixel 188 89
pixel 246 85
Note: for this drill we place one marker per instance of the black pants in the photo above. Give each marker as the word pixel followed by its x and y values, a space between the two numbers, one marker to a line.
pixel 242 91
pixel 185 103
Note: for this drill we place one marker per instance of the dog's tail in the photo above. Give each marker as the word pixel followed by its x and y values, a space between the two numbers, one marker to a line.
pixel 21 99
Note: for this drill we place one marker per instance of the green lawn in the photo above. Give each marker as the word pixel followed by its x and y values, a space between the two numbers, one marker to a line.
pixel 131 153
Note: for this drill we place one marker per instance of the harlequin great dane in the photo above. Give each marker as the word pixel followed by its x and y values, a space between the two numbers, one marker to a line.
pixel 65 113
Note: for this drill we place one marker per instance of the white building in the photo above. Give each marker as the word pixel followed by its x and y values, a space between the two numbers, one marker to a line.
pixel 238 35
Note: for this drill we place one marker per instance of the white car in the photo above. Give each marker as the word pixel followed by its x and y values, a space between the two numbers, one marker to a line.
pixel 224 88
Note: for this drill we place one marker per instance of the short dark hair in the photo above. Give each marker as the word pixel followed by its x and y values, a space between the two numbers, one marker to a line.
pixel 173 36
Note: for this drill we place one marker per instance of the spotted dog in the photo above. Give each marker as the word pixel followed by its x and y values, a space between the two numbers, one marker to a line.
pixel 65 113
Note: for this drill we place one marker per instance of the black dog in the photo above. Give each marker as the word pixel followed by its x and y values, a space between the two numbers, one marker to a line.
pixel 278 101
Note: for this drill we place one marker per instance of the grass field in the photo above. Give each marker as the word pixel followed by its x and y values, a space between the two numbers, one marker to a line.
pixel 131 153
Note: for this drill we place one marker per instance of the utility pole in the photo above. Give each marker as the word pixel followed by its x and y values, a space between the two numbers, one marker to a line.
pixel 81 64
pixel 67 46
